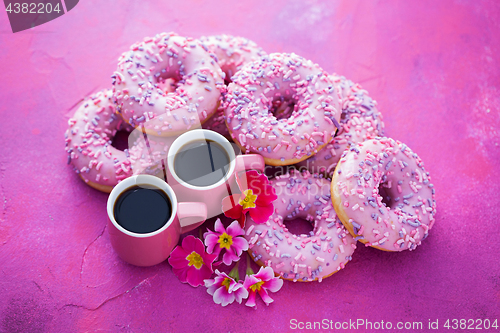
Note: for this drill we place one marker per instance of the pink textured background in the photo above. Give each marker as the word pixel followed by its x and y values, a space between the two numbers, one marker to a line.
pixel 434 68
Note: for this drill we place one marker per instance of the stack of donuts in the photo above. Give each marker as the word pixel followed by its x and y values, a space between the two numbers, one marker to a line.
pixel 342 175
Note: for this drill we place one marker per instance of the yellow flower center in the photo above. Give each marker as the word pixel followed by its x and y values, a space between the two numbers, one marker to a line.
pixel 195 259
pixel 249 200
pixel 226 283
pixel 225 241
pixel 256 286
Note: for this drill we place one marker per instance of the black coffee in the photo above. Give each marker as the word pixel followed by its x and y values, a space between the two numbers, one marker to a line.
pixel 142 209
pixel 201 163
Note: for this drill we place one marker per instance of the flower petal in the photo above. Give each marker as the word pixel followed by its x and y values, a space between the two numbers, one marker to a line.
pixel 211 241
pixel 256 182
pixel 211 286
pixel 207 269
pixel 240 293
pixel 217 263
pixel 250 280
pixel 261 214
pixel 251 299
pixel 264 274
pixel 265 297
pixel 223 297
pixel 255 179
pixel 239 244
pixel 234 229
pixel 241 220
pixel 177 258
pixel 208 259
pixel 273 285
pixel 231 206
pixel 229 256
pixel 218 227
pixel 181 273
pixel 198 245
pixel 266 196
pixel 189 244
pixel 195 277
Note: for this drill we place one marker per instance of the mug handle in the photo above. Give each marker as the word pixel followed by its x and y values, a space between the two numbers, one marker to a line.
pixel 250 162
pixel 191 215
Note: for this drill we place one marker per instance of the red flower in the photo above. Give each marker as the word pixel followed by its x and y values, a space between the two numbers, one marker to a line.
pixel 256 198
pixel 190 263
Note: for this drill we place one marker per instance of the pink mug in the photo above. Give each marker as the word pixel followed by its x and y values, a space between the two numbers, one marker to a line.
pixel 152 248
pixel 211 195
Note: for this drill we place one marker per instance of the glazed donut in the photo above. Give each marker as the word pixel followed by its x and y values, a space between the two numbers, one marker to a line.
pixel 360 121
pixel 311 125
pixel 311 257
pixel 231 53
pixel 141 77
pixel 383 195
pixel 88 143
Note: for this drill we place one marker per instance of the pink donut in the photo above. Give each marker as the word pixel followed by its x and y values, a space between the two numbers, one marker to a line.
pixel 383 195
pixel 88 143
pixel 231 53
pixel 293 79
pixel 311 257
pixel 140 84
pixel 360 121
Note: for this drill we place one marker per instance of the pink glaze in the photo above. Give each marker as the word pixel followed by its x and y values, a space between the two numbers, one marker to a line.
pixel 288 78
pixel 376 164
pixel 88 142
pixel 231 53
pixel 301 257
pixel 360 121
pixel 142 91
pixel 147 153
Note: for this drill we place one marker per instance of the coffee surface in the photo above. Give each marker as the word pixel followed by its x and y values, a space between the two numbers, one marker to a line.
pixel 201 163
pixel 142 209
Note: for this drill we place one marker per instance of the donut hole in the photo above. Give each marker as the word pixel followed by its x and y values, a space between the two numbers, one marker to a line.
pixel 227 79
pixel 275 171
pixel 298 226
pixel 282 107
pixel 387 195
pixel 167 84
pixel 120 140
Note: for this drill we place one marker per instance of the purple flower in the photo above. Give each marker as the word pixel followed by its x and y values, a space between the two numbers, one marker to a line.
pixel 225 290
pixel 228 239
pixel 261 282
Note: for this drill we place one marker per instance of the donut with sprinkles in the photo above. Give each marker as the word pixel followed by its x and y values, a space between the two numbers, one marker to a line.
pixel 312 257
pixel 289 77
pixel 143 78
pixel 231 53
pixel 383 195
pixel 360 121
pixel 88 143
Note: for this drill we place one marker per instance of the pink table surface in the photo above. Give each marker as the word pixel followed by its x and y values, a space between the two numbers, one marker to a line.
pixel 433 67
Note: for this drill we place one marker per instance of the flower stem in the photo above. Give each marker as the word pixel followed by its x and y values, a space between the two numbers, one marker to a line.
pixel 200 234
pixel 249 267
pixel 234 272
